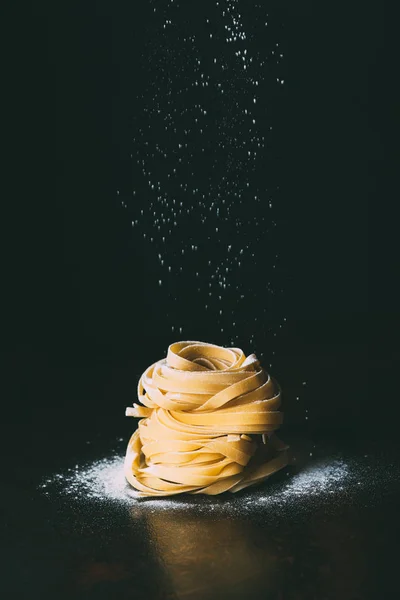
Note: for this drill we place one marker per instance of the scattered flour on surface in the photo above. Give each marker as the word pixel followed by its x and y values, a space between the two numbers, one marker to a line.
pixel 103 480
pixel 316 480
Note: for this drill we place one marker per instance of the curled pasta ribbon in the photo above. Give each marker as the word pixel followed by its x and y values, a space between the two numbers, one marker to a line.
pixel 207 420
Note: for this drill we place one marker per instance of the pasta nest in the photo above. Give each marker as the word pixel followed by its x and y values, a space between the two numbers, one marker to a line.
pixel 207 420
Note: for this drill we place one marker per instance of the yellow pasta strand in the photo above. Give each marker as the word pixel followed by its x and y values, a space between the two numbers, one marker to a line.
pixel 207 420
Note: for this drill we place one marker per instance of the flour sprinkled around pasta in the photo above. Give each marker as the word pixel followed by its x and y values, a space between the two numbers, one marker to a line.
pixel 317 480
pixel 103 480
pixel 100 480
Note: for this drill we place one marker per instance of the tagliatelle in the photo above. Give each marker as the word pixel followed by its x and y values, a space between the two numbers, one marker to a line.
pixel 208 416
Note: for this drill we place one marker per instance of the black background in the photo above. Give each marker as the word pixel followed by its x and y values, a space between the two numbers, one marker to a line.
pixel 79 329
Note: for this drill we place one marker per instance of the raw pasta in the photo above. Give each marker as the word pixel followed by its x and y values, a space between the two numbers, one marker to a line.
pixel 207 420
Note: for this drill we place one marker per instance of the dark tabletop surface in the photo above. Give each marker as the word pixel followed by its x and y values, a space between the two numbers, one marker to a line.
pixel 325 528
